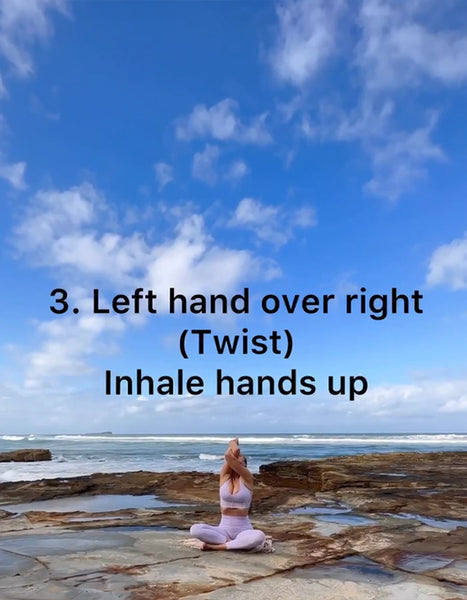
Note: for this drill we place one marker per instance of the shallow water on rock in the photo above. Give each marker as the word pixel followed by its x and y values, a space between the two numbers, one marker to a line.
pixel 419 563
pixel 346 519
pixel 91 504
pixel 319 510
pixel 432 522
pixel 64 543
pixel 10 562
pixel 338 514
pixel 353 568
pixel 148 528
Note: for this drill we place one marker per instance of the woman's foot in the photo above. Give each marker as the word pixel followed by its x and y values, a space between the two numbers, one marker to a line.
pixel 214 546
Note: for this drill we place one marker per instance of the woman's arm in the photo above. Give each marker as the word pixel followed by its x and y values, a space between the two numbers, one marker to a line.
pixel 233 445
pixel 236 465
pixel 226 470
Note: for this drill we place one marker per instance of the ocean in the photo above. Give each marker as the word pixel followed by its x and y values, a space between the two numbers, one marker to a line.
pixel 83 454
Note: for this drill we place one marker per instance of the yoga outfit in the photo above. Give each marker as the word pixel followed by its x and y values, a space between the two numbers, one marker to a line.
pixel 236 533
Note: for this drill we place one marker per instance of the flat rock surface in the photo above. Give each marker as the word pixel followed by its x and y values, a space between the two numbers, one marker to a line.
pixel 375 526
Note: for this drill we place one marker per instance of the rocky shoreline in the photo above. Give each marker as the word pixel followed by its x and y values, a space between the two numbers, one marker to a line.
pixel 378 525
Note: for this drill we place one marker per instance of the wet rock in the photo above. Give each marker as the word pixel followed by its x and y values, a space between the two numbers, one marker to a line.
pixel 392 482
pixel 366 483
pixel 27 455
pixel 197 487
pixel 136 554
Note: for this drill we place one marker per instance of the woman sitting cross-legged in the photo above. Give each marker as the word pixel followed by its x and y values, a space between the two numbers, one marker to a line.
pixel 235 531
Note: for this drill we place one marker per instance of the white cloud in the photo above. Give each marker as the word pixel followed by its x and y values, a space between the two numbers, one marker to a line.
pixel 193 405
pixel 164 174
pixel 448 265
pixel 457 405
pixel 387 406
pixel 307 38
pixel 204 165
pixel 289 109
pixel 236 171
pixel 22 23
pixel 61 229
pixel 252 212
pixel 273 224
pixel 303 217
pixel 399 161
pixel 68 344
pixel 14 174
pixel 65 231
pixel 206 168
pixel 371 120
pixel 53 214
pixel 222 123
pixel 412 399
pixel 397 48
pixel 422 405
pixel 399 158
pixel 3 90
pixel 192 263
pixel 388 48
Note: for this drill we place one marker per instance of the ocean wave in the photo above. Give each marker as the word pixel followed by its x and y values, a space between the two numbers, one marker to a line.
pixel 141 438
pixel 285 440
pixel 54 469
pixel 211 456
pixel 175 456
pixel 8 475
pixel 12 438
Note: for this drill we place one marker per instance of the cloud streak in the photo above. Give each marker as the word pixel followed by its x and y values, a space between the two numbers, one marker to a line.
pixel 164 174
pixel 272 224
pixel 389 49
pixel 306 39
pixel 448 265
pixel 222 123
pixel 22 24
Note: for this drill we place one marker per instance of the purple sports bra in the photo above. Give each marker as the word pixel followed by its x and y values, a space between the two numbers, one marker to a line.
pixel 241 499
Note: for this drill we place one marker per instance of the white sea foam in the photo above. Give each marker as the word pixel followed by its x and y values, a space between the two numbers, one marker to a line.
pixel 53 469
pixel 8 475
pixel 82 454
pixel 211 456
pixel 296 439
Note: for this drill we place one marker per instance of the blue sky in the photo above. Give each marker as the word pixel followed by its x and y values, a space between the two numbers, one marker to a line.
pixel 298 147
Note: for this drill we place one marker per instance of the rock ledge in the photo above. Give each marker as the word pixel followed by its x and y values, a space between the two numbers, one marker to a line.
pixel 26 455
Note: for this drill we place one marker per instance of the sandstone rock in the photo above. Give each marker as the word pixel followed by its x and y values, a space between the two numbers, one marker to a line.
pixel 396 556
pixel 27 455
pixel 431 483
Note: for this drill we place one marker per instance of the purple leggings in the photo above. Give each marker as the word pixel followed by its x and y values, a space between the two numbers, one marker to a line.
pixel 235 532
